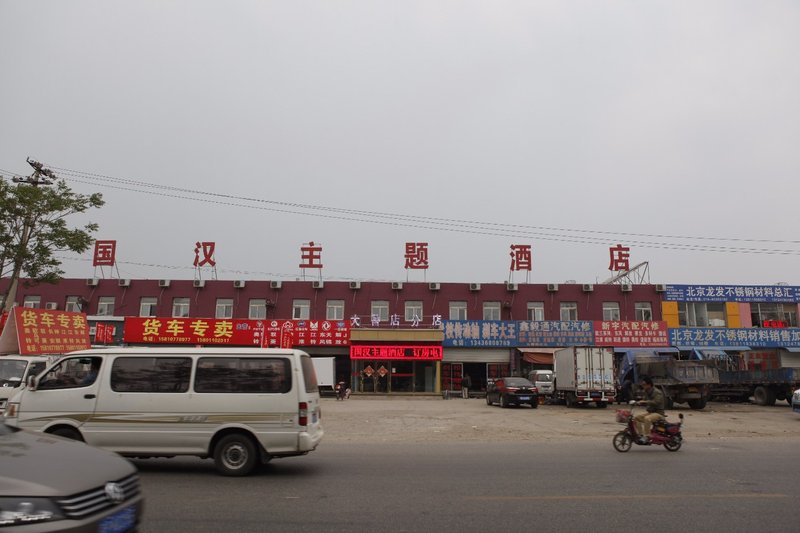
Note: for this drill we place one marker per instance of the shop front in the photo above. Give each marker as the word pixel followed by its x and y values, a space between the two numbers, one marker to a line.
pixel 395 361
pixel 483 365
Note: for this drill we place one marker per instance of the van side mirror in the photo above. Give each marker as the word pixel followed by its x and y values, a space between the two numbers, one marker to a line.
pixel 32 383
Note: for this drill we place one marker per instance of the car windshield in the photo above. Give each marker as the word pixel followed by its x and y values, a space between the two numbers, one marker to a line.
pixel 11 372
pixel 518 382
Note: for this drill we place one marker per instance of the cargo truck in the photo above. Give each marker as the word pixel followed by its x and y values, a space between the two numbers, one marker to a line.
pixel 765 375
pixel 682 379
pixel 584 374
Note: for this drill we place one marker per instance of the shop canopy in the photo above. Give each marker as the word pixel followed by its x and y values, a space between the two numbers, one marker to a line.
pixel 724 348
pixel 538 356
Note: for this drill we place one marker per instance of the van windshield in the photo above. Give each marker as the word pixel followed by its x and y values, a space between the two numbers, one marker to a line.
pixel 11 372
pixel 309 374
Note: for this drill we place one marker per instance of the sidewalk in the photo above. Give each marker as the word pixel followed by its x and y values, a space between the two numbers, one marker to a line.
pixel 427 419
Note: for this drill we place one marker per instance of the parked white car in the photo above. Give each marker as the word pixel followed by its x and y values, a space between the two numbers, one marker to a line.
pixel 796 401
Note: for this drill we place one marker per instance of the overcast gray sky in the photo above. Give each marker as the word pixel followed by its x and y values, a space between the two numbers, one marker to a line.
pixel 662 126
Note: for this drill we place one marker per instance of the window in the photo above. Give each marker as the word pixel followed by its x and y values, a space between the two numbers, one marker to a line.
pixel 151 374
pixel 458 310
pixel 644 311
pixel 569 310
pixel 413 311
pixel 74 304
pixel 147 306
pixel 535 310
pixel 701 314
pixel 34 302
pixel 257 309
pixel 773 314
pixel 180 307
pixel 610 311
pixel 224 308
pixel 72 373
pixel 379 309
pixel 243 375
pixel 491 310
pixel 105 306
pixel 334 310
pixel 301 309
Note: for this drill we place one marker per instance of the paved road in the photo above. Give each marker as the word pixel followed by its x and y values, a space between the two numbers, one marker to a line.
pixel 565 483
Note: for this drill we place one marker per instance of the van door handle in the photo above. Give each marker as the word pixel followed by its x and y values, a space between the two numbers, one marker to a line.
pixel 89 396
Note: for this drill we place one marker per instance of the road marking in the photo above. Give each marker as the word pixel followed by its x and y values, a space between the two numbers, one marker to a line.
pixel 746 495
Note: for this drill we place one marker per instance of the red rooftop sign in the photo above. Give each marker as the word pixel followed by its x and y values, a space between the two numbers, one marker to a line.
pixel 42 331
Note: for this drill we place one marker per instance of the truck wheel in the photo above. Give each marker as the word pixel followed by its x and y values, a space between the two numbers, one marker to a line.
pixel 235 455
pixel 760 395
pixel 698 404
pixel 488 401
pixel 569 399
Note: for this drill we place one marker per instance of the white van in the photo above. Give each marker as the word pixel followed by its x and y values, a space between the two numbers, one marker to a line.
pixel 15 369
pixel 240 406
pixel 543 379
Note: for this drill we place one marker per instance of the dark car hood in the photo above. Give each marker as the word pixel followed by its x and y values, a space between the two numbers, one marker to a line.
pixel 36 464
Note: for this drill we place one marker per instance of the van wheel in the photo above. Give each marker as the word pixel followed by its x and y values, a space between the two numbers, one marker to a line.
pixel 67 433
pixel 235 455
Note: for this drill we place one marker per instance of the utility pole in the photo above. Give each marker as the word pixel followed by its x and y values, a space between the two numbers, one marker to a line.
pixel 40 176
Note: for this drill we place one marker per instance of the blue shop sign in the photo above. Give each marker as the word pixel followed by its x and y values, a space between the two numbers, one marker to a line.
pixel 721 337
pixel 515 333
pixel 732 293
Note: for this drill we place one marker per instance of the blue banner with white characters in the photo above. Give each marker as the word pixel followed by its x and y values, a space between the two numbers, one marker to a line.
pixel 732 293
pixel 515 333
pixel 752 337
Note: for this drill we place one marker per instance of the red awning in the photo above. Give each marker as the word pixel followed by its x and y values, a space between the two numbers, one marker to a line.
pixel 538 356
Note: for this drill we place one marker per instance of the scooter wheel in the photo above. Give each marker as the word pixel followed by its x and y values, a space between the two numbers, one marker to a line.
pixel 673 445
pixel 622 442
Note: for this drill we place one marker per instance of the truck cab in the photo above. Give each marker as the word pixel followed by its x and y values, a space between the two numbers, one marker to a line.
pixel 543 379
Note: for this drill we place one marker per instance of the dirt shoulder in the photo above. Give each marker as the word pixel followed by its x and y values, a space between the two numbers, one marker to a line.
pixel 407 419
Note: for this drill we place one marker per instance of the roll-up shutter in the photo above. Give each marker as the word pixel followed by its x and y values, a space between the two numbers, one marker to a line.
pixel 476 355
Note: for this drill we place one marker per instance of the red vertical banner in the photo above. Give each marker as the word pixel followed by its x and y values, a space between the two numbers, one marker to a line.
pixel 100 333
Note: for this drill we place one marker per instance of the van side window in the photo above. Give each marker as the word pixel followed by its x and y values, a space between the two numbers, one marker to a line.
pixel 243 375
pixel 151 374
pixel 71 373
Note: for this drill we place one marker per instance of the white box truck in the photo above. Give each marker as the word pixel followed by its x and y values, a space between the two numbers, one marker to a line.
pixel 584 374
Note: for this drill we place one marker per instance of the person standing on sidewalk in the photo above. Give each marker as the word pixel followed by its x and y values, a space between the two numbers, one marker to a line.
pixel 466 383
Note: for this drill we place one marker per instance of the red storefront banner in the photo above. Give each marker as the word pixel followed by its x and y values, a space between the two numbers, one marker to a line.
pixel 184 330
pixel 236 332
pixel 427 353
pixel 630 333
pixel 42 331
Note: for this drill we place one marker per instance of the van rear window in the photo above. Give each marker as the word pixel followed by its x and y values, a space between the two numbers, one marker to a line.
pixel 243 375
pixel 151 374
pixel 309 374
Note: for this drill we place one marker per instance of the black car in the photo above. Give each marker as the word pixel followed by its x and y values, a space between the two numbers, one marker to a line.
pixel 512 391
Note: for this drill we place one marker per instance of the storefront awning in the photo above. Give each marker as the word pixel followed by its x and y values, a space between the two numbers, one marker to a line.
pixel 538 356
pixel 792 349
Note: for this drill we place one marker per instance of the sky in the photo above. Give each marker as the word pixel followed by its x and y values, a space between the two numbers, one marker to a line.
pixel 670 127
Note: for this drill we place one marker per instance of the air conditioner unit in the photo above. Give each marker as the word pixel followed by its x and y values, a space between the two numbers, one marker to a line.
pixel 355 285
pixel 625 287
pixel 434 286
pixel 124 282
pixel 474 286
pixel 552 287
pixel 511 287
pixel 163 283
pixel 238 284
pixel 274 284
pixel 661 288
pixel 51 305
pixel 397 285
pixel 317 284
pixel 198 283
pixel 92 282
pixel 588 287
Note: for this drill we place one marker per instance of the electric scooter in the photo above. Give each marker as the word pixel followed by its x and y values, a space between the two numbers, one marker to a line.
pixel 662 433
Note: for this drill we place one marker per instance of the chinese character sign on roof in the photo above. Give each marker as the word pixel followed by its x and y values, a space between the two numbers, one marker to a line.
pixel 207 248
pixel 104 253
pixel 620 256
pixel 521 258
pixel 416 255
pixel 311 255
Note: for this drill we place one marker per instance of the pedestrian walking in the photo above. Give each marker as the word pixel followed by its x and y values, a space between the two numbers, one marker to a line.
pixel 466 383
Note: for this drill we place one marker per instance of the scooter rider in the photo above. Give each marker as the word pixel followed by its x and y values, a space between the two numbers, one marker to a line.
pixel 654 400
